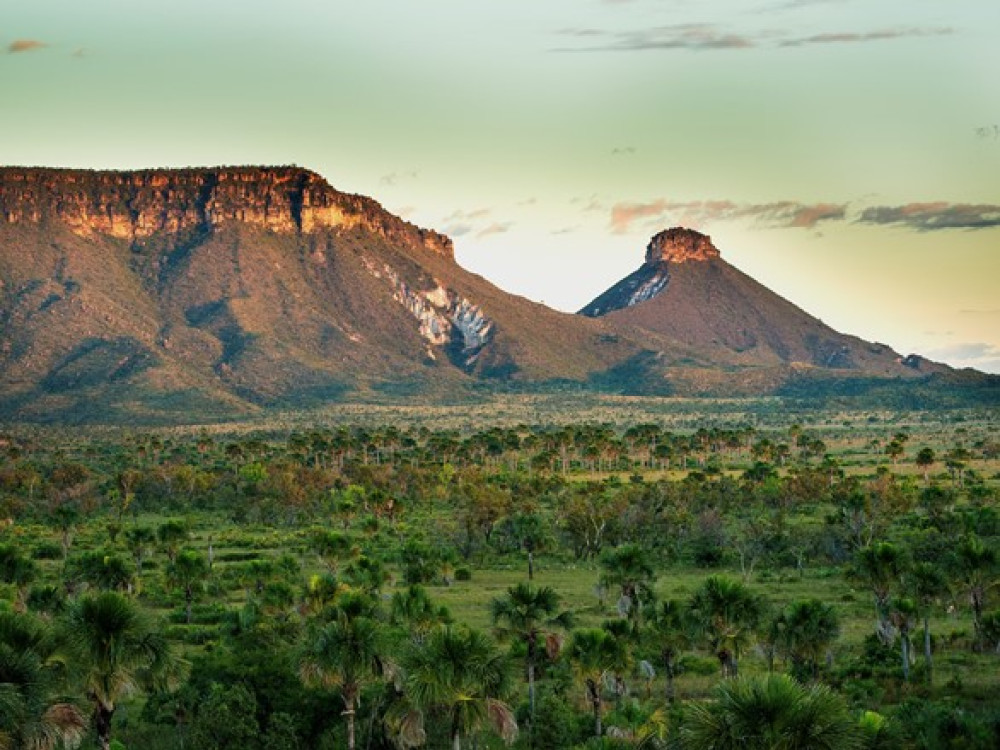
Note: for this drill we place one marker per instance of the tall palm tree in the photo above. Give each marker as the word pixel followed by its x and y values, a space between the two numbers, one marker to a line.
pixel 460 673
pixel 881 566
pixel 976 569
pixel 805 631
pixel 727 614
pixel 347 653
pixel 530 615
pixel 926 583
pixel 669 630
pixel 770 712
pixel 31 716
pixel 116 650
pixel 187 572
pixel 594 652
pixel 902 614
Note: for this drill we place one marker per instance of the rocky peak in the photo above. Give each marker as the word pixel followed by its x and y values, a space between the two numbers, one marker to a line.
pixel 679 245
pixel 135 205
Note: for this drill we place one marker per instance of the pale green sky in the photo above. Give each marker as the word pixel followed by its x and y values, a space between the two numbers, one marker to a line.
pixel 844 152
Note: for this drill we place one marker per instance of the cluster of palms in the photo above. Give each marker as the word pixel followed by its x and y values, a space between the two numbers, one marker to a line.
pixel 57 677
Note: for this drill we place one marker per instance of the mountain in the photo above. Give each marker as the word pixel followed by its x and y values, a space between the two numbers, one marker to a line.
pixel 686 292
pixel 217 292
pixel 208 294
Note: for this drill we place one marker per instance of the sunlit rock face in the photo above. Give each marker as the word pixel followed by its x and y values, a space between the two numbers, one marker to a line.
pixel 137 205
pixel 680 245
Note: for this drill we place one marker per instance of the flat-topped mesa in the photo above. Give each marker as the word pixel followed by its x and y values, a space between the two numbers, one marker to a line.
pixel 679 245
pixel 134 205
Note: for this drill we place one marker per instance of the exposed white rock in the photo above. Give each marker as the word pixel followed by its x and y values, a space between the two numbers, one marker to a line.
pixel 440 313
pixel 648 289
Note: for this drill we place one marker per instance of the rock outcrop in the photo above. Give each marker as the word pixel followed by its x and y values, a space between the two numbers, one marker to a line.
pixel 680 245
pixel 134 206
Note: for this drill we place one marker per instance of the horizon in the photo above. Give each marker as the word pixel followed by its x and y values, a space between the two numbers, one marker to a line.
pixel 843 156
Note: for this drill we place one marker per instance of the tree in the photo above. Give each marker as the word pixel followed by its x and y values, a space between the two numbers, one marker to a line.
pixel 17 569
pixel 770 712
pixel 976 569
pixel 530 615
pixel 461 673
pixel 727 614
pixel 902 613
pixel 347 653
pixel 925 460
pixel 532 536
pixel 139 540
pixel 926 582
pixel 116 649
pixel 187 572
pixel 594 652
pixel 881 566
pixel 805 631
pixel 31 718
pixel 669 631
pixel 628 567
pixel 170 534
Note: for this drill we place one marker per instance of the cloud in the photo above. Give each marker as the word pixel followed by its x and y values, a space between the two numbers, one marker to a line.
pixel 494 228
pixel 394 177
pixel 623 151
pixel 478 213
pixel 707 37
pixel 929 217
pixel 457 230
pixel 870 36
pixel 692 36
pixel 700 213
pixel 24 45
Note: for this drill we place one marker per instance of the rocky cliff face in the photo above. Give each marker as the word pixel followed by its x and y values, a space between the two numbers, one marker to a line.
pixel 136 205
pixel 680 245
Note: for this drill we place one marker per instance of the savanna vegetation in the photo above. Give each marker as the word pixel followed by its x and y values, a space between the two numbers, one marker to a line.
pixel 765 582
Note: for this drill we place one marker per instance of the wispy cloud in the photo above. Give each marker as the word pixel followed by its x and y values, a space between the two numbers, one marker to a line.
pixel 693 36
pixel 870 36
pixel 700 213
pixel 708 36
pixel 24 45
pixel 929 217
pixel 496 227
pixel 394 178
pixel 477 213
pixel 623 151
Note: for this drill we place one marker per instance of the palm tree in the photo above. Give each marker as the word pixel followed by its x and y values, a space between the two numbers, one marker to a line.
pixel 18 570
pixel 976 566
pixel 902 614
pixel 30 718
pixel 727 614
pixel 770 712
pixel 594 652
pixel 461 673
pixel 926 582
pixel 669 630
pixel 881 566
pixel 628 567
pixel 530 615
pixel 806 630
pixel 924 460
pixel 116 650
pixel 414 609
pixel 347 653
pixel 187 572
pixel 139 540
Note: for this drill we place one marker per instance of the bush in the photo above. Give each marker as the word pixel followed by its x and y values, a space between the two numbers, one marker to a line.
pixel 463 574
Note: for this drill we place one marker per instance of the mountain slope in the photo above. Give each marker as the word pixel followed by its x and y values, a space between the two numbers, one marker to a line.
pixel 684 290
pixel 223 291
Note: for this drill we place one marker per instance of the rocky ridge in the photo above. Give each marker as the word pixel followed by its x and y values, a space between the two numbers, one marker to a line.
pixel 134 206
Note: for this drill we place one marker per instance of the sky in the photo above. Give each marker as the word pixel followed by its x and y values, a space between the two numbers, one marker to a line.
pixel 845 153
